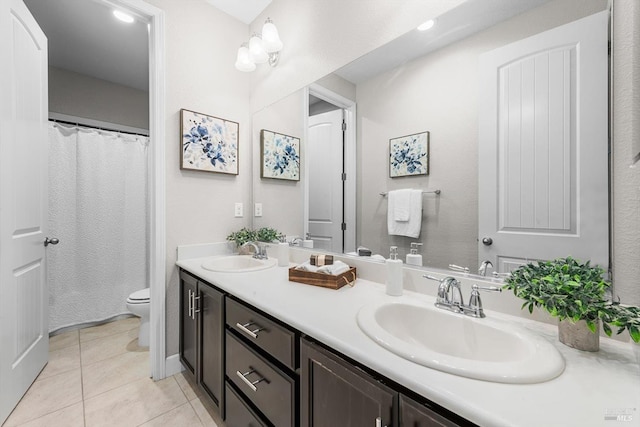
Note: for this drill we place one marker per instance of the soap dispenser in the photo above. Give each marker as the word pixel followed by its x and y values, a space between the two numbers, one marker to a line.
pixel 394 273
pixel 414 258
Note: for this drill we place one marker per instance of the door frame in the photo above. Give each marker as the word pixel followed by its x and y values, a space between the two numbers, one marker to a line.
pixel 156 198
pixel 349 107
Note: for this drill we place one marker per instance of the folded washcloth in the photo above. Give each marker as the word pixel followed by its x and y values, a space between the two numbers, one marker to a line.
pixel 306 266
pixel 378 257
pixel 338 267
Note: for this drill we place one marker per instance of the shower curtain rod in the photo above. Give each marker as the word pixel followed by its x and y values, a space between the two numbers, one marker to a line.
pixel 94 126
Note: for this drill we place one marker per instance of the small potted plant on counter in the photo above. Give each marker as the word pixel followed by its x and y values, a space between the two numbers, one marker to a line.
pixel 575 293
pixel 242 236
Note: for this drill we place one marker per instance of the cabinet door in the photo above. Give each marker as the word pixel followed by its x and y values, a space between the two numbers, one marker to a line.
pixel 413 414
pixel 188 289
pixel 335 393
pixel 210 312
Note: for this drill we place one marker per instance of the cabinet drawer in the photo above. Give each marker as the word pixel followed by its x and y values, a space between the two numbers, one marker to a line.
pixel 264 384
pixel 266 334
pixel 237 413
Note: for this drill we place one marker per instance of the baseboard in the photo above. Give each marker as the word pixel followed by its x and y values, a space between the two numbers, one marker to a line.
pixel 173 365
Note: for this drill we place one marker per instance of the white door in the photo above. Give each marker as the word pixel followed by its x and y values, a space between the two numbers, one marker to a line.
pixel 325 147
pixel 24 339
pixel 543 179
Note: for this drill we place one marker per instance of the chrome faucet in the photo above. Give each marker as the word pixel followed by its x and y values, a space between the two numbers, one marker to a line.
pixel 483 267
pixel 259 251
pixel 296 242
pixel 449 296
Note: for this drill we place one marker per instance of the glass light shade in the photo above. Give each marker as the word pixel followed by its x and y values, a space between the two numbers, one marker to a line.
pixel 257 54
pixel 243 62
pixel 270 38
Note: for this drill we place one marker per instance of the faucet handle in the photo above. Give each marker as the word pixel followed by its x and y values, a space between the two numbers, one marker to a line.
pixel 475 303
pixel 486 288
pixel 501 275
pixel 458 268
pixel 426 276
pixel 443 295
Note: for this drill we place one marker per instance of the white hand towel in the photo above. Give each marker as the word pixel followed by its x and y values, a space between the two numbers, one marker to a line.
pixel 338 267
pixel 306 266
pixel 400 204
pixel 410 228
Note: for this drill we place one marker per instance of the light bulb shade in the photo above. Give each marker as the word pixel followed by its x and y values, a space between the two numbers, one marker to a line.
pixel 257 54
pixel 243 62
pixel 270 38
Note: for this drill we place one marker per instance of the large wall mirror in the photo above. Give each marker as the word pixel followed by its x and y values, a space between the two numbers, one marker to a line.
pixel 435 81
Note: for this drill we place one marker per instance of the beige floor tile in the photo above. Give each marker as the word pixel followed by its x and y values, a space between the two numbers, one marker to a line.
pixel 71 416
pixel 46 396
pixel 207 414
pixel 63 360
pixel 181 416
pixel 191 391
pixel 63 340
pixel 133 403
pixel 114 372
pixel 110 328
pixel 100 349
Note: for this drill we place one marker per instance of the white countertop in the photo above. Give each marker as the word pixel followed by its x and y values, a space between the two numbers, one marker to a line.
pixel 591 386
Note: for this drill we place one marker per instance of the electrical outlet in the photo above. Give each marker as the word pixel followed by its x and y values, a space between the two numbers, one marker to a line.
pixel 238 210
pixel 257 210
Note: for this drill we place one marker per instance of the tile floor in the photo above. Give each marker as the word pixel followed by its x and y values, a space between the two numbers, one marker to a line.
pixel 99 376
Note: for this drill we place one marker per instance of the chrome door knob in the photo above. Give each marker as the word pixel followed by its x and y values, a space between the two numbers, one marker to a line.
pixel 48 241
pixel 487 241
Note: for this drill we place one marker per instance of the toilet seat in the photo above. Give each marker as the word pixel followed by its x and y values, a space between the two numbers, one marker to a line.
pixel 139 297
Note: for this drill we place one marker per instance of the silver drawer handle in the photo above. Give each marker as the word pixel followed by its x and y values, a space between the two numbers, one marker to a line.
pixel 196 298
pixel 190 305
pixel 244 328
pixel 251 384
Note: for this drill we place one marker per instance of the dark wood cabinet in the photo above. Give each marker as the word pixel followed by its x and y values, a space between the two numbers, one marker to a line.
pixel 414 414
pixel 202 335
pixel 335 393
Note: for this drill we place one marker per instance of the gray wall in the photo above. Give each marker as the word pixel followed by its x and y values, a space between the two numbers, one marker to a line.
pixel 79 95
pixel 626 137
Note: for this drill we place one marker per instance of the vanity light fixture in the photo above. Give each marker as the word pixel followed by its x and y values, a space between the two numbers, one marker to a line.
pixel 123 16
pixel 426 25
pixel 261 48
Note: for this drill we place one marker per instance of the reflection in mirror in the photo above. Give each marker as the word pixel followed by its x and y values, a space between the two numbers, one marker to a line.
pixel 440 93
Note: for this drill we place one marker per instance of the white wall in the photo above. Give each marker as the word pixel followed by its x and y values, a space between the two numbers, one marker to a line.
pixel 83 96
pixel 321 36
pixel 438 93
pixel 626 140
pixel 200 55
pixel 282 201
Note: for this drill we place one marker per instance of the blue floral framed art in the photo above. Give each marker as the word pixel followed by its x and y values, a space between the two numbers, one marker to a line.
pixel 279 156
pixel 409 155
pixel 209 144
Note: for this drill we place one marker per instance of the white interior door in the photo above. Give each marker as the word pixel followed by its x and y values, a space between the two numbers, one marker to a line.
pixel 543 184
pixel 325 147
pixel 24 339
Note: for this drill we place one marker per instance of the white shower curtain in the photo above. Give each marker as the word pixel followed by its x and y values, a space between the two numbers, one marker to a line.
pixel 98 210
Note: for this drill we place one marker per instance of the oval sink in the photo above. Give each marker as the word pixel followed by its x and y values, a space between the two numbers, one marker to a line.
pixel 237 264
pixel 483 349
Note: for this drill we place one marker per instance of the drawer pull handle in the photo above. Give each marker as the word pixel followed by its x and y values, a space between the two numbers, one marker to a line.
pixel 244 328
pixel 251 384
pixel 379 422
pixel 196 298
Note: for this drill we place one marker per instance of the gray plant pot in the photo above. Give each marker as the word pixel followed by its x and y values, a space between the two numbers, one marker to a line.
pixel 578 335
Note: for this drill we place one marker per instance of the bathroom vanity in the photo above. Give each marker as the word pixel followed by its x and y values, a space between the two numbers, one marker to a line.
pixel 295 356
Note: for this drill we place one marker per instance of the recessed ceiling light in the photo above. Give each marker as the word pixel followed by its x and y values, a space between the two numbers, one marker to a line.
pixel 123 16
pixel 426 25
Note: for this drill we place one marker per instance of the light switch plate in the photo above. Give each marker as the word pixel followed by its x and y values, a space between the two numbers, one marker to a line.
pixel 257 210
pixel 238 210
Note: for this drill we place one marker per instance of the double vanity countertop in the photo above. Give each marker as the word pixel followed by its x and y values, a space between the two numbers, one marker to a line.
pixel 592 387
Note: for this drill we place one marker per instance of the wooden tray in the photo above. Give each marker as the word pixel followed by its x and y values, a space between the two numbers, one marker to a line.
pixel 324 280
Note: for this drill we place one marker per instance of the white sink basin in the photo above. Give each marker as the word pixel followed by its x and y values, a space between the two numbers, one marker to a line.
pixel 483 349
pixel 237 264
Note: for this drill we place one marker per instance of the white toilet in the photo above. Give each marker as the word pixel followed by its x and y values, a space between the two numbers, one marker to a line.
pixel 138 304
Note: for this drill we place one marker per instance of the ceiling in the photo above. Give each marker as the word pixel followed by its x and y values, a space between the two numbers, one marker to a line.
pixel 243 10
pixel 470 17
pixel 86 38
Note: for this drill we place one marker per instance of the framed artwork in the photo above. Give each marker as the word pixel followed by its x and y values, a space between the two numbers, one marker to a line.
pixel 209 144
pixel 279 156
pixel 409 155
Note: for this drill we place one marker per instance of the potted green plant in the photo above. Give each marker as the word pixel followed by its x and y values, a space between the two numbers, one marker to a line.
pixel 242 236
pixel 575 293
pixel 269 235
